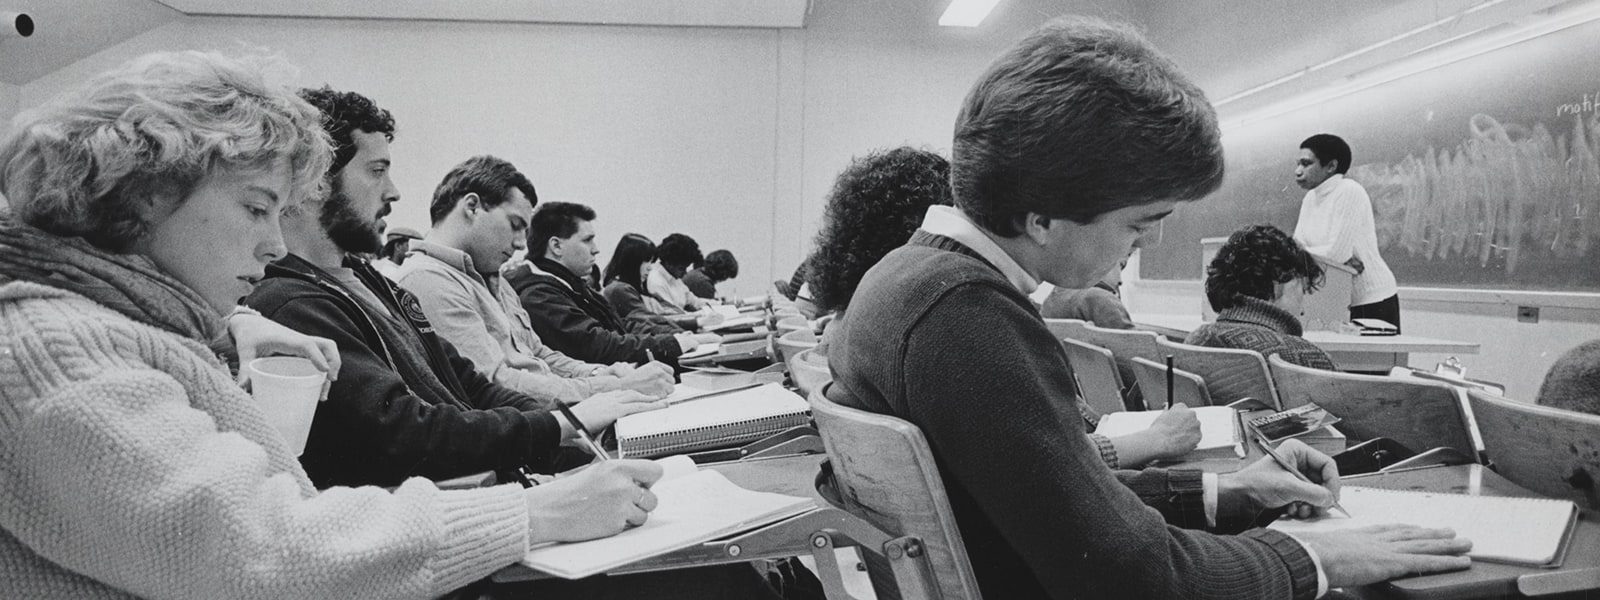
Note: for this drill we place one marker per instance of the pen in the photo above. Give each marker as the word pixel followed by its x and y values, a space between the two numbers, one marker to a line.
pixel 583 432
pixel 1169 382
pixel 1284 462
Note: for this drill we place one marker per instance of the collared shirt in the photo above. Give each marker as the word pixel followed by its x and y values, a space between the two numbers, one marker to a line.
pixel 485 321
pixel 950 222
pixel 671 290
pixel 1336 223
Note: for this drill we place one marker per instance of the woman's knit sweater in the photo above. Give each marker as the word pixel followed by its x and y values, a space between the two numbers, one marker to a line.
pixel 131 464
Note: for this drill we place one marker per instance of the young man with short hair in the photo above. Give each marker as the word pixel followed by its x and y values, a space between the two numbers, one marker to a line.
pixel 480 215
pixel 1336 223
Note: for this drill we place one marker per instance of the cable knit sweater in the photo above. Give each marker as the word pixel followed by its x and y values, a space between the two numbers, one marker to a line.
pixel 1255 324
pixel 132 465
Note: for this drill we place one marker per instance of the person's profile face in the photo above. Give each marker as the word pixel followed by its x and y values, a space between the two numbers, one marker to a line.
pixel 498 233
pixel 577 252
pixel 362 195
pixel 219 239
pixel 1309 172
pixel 676 271
pixel 645 268
pixel 1076 255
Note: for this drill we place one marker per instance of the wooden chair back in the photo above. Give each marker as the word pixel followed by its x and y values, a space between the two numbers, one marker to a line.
pixel 885 474
pixel 809 371
pixel 1188 388
pixel 1125 345
pixel 1096 371
pixel 1420 415
pixel 1551 451
pixel 1067 328
pixel 1230 373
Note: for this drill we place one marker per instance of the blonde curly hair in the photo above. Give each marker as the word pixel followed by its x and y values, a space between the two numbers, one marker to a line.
pixel 94 162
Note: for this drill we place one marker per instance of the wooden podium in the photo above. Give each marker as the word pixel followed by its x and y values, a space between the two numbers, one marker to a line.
pixel 1323 311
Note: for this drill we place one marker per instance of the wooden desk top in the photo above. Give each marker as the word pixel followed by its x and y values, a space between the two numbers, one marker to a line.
pixel 1179 326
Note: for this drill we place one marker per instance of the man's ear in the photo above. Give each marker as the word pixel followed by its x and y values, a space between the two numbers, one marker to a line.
pixel 471 203
pixel 1332 165
pixel 1037 227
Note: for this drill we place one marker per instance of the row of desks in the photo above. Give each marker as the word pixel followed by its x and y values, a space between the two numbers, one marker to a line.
pixel 1350 352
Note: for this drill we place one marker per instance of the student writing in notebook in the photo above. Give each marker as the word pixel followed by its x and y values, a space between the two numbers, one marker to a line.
pixel 1069 147
pixel 875 206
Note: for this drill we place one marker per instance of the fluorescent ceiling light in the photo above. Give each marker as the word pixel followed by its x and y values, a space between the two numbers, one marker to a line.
pixel 966 13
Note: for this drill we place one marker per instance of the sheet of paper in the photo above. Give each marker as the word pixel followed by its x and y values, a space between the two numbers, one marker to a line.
pixel 1217 425
pixel 1516 530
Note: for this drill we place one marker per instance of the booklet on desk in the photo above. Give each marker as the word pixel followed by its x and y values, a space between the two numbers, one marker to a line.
pixel 1219 430
pixel 716 421
pixel 1520 531
pixel 693 506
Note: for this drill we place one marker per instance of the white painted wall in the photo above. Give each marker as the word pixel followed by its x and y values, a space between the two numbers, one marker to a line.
pixel 1513 353
pixel 9 96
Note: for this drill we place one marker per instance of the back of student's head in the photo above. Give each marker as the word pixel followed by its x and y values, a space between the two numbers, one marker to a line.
pixel 555 220
pixel 720 266
pixel 94 162
pixel 875 206
pixel 1079 119
pixel 633 251
pixel 1573 382
pixel 344 114
pixel 679 250
pixel 1253 262
pixel 1329 147
pixel 492 179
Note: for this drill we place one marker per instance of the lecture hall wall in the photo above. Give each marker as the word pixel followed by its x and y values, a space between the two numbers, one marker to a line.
pixel 735 135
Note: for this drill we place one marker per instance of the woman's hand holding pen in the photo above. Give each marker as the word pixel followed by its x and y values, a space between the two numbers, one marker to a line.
pixel 599 501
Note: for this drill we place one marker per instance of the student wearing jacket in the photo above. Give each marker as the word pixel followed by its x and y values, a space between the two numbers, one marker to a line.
pixel 409 404
pixel 566 313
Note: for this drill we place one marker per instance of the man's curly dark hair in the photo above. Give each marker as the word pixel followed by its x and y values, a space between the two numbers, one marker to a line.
pixel 1254 261
pixel 343 114
pixel 679 250
pixel 875 206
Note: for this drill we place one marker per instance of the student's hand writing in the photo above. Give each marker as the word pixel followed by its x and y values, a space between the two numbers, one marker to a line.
pixel 654 383
pixel 602 409
pixel 256 336
pixel 1384 552
pixel 1265 485
pixel 707 338
pixel 709 320
pixel 599 501
pixel 617 369
pixel 1177 431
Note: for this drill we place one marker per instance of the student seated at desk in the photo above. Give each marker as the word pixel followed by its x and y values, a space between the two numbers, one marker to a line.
pixel 625 276
pixel 720 266
pixel 1100 303
pixel 567 314
pixel 1257 283
pixel 135 465
pixel 1070 146
pixel 480 211
pixel 874 208
pixel 1573 382
pixel 678 254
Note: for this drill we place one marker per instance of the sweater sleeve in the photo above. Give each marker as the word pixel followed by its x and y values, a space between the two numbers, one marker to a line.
pixel 1002 435
pixel 373 418
pixel 455 317
pixel 125 482
pixel 567 328
pixel 1349 216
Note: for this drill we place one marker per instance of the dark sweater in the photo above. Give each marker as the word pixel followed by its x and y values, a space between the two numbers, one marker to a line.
pixel 405 403
pixel 625 300
pixel 1255 324
pixel 700 285
pixel 937 336
pixel 575 320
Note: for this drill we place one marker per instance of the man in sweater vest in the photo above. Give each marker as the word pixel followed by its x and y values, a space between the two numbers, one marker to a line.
pixel 1073 144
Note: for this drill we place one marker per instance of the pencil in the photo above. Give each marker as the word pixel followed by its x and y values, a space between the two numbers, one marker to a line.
pixel 1284 462
pixel 1169 381
pixel 583 432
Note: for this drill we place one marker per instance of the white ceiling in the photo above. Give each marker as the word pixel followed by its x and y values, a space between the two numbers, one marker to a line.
pixel 688 13
pixel 68 30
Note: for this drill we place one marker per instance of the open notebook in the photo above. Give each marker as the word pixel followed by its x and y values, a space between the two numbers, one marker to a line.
pixel 718 421
pixel 694 506
pixel 1522 531
pixel 1219 430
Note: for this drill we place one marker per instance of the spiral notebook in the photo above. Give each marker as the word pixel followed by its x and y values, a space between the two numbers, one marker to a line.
pixel 717 421
pixel 694 506
pixel 1519 531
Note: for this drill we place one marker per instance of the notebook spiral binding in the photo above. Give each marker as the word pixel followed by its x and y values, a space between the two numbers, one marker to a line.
pixel 710 436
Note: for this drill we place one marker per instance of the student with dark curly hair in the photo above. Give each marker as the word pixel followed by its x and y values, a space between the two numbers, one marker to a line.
pixel 1573 382
pixel 876 204
pixel 720 266
pixel 1257 284
pixel 678 253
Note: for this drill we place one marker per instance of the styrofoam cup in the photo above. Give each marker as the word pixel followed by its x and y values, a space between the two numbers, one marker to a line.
pixel 287 388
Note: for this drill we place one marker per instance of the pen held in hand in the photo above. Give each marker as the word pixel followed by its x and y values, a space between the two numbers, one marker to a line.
pixel 1284 462
pixel 583 432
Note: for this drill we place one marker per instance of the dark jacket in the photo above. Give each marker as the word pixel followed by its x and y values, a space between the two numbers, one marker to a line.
pixel 626 301
pixel 573 319
pixel 405 404
pixel 937 336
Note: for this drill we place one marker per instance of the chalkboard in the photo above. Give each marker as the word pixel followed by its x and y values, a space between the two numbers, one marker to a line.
pixel 1483 173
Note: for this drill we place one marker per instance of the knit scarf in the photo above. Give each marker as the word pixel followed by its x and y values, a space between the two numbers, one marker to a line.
pixel 127 283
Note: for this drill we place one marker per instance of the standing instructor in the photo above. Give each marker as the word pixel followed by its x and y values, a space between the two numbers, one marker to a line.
pixel 1336 224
